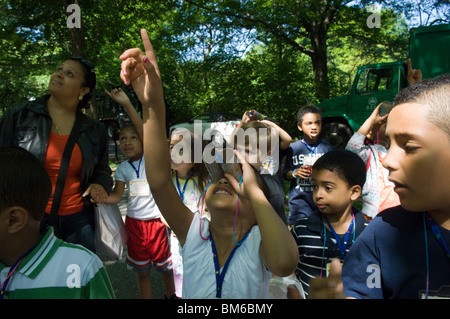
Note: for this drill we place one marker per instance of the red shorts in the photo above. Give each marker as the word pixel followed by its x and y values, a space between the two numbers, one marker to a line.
pixel 148 244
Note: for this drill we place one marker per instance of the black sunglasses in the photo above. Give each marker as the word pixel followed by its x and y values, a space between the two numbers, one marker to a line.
pixel 90 68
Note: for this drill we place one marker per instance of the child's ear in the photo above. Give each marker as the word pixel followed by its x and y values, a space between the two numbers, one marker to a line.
pixel 16 218
pixel 299 126
pixel 355 192
pixel 84 90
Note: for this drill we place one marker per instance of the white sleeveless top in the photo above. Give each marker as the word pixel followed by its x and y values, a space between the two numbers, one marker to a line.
pixel 246 276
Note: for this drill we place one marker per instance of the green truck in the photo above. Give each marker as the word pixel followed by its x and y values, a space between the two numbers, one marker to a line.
pixel 429 51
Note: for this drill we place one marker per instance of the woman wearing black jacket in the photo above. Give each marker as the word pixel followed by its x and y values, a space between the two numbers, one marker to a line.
pixel 43 127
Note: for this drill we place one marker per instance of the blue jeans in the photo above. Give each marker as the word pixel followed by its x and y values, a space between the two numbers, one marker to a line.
pixel 76 228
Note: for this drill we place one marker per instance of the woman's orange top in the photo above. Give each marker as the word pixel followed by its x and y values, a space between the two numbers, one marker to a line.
pixel 71 200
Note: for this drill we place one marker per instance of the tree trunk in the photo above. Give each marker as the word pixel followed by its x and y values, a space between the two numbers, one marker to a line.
pixel 78 42
pixel 319 58
pixel 77 35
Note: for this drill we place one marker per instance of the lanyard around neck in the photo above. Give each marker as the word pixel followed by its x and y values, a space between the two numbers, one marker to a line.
pixel 181 192
pixel 136 169
pixel 11 272
pixel 343 245
pixel 437 233
pixel 312 149
pixel 220 275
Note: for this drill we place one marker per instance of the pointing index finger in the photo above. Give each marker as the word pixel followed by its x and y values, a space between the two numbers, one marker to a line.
pixel 149 52
pixel 146 41
pixel 136 53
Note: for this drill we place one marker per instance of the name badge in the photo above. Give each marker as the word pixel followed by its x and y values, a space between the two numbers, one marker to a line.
pixel 442 293
pixel 139 188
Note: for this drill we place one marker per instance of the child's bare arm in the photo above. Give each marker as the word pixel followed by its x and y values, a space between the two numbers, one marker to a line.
pixel 373 119
pixel 116 195
pixel 143 73
pixel 120 97
pixel 245 119
pixel 278 249
pixel 285 138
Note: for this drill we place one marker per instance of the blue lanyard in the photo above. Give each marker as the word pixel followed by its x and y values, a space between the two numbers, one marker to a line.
pixel 138 169
pixel 343 246
pixel 11 271
pixel 437 233
pixel 220 275
pixel 312 150
pixel 181 192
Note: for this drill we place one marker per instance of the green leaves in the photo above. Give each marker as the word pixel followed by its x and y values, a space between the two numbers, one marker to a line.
pixel 230 55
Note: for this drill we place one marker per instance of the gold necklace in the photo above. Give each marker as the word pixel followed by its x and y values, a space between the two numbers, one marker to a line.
pixel 57 129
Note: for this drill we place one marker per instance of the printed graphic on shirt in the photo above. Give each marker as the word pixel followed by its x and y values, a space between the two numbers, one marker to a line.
pixel 305 159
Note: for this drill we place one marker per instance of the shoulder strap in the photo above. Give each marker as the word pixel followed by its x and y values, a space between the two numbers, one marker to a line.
pixel 62 173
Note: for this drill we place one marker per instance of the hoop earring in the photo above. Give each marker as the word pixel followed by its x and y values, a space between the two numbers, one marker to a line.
pixel 80 97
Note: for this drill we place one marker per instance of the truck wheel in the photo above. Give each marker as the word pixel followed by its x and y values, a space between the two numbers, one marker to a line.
pixel 337 134
pixel 112 128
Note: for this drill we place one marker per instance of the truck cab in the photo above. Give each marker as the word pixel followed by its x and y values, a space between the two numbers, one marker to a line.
pixel 372 85
pixel 429 49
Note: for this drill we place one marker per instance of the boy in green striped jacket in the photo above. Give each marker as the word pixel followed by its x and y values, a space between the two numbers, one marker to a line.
pixel 35 265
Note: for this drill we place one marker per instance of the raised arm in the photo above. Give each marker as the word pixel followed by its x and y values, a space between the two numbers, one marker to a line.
pixel 285 138
pixel 245 119
pixel 278 249
pixel 122 98
pixel 143 73
pixel 413 76
pixel 374 118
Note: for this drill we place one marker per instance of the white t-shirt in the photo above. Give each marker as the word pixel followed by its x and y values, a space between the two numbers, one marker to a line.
pixel 141 204
pixel 188 191
pixel 246 277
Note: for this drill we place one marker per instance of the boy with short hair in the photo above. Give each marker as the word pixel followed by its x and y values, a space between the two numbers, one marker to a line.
pixel 300 157
pixel 34 265
pixel 337 179
pixel 403 253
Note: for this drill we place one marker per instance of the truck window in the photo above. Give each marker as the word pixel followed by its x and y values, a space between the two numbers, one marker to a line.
pixel 371 80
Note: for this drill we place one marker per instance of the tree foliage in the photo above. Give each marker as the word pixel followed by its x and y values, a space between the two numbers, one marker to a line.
pixel 271 55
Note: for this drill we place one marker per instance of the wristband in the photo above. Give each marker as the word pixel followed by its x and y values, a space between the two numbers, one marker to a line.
pixel 293 173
